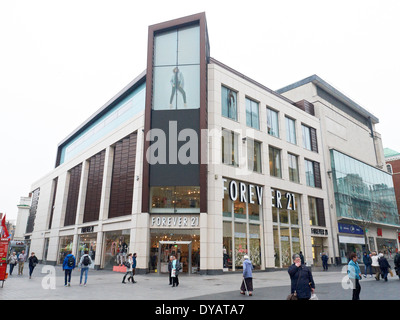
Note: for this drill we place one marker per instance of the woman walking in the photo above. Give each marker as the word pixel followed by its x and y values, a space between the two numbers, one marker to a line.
pixel 247 283
pixel 128 265
pixel 302 281
pixel 33 261
pixel 354 273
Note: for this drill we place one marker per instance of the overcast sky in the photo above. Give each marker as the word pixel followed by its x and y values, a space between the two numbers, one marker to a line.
pixel 60 61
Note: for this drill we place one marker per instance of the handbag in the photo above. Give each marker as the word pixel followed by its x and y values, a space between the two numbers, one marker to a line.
pixel 293 296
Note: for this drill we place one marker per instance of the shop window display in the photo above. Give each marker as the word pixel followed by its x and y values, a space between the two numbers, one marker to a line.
pixel 286 226
pixel 65 247
pixel 87 242
pixel 116 248
pixel 242 229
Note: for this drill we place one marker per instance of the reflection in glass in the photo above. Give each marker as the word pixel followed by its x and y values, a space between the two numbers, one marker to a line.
pixel 229 103
pixel 252 119
pixel 272 123
pixel 362 191
pixel 240 244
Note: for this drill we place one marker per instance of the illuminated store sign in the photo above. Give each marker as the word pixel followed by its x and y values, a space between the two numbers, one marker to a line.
pixel 277 197
pixel 175 221
pixel 243 192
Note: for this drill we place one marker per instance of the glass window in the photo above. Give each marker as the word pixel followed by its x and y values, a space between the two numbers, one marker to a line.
pixel 275 162
pixel 310 173
pixel 272 123
pixel 230 151
pixel 312 207
pixel 240 243
pixel 286 230
pixel 176 72
pixel 175 199
pixel 255 245
pixel 252 116
pixel 254 155
pixel 187 199
pixel 65 248
pixel 362 191
pixel 290 130
pixel 226 202
pixel 293 168
pixel 229 103
pixel 228 244
pixel 306 137
pixel 87 244
pixel 116 247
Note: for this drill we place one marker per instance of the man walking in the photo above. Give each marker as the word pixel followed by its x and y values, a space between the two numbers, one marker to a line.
pixel 367 263
pixel 68 265
pixel 21 261
pixel 324 259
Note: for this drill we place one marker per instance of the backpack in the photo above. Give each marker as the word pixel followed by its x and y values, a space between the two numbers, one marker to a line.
pixel 70 262
pixel 86 260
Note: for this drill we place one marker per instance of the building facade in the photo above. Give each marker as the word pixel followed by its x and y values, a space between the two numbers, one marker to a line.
pixel 191 158
pixel 360 190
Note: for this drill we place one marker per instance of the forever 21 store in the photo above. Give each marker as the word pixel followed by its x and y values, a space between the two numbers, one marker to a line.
pixel 192 158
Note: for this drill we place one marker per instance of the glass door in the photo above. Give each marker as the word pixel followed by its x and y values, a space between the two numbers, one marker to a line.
pixel 182 250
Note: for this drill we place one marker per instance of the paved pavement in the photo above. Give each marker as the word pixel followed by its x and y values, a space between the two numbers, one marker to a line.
pixel 47 283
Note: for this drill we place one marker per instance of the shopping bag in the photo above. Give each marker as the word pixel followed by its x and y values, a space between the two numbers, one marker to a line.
pixel 173 273
pixel 391 272
pixel 314 297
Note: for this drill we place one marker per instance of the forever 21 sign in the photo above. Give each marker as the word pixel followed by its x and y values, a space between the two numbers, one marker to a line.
pixel 244 193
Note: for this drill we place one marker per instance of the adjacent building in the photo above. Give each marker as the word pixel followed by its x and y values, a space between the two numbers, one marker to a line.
pixel 195 159
pixel 360 190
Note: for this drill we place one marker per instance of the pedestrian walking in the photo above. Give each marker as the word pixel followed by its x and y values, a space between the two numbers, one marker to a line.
pixel 170 269
pixel 21 261
pixel 397 264
pixel 133 267
pixel 368 264
pixel 302 281
pixel 247 283
pixel 324 259
pixel 84 263
pixel 354 272
pixel 375 265
pixel 176 267
pixel 384 265
pixel 12 262
pixel 128 264
pixel 69 264
pixel 33 261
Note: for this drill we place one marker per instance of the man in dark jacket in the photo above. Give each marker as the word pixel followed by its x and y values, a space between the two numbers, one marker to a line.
pixel 368 264
pixel 301 279
pixel 384 265
pixel 68 265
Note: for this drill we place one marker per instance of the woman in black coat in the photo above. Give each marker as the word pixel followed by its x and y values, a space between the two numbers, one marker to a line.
pixel 301 278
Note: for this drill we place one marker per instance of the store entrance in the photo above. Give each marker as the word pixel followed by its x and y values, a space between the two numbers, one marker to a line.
pixel 182 250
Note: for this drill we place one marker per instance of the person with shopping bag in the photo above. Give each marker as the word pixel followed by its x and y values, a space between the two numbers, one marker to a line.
pixel 302 281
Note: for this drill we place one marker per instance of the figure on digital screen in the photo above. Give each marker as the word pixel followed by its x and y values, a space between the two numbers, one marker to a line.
pixel 177 83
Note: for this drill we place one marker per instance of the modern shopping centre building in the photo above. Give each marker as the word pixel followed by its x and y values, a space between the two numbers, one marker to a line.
pixel 195 159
